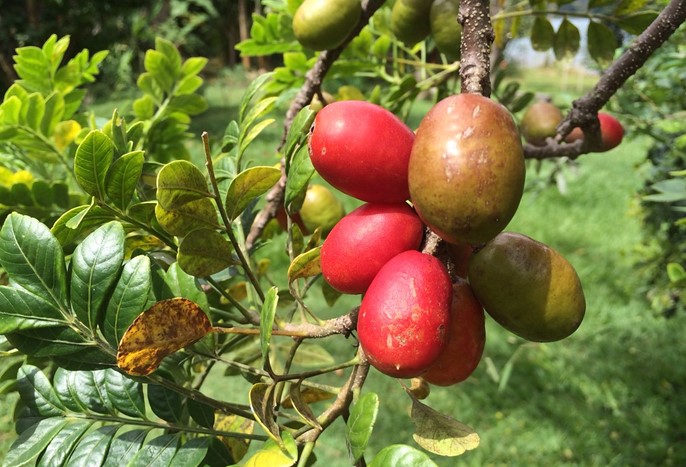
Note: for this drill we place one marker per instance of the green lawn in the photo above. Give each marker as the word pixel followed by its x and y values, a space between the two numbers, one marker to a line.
pixel 612 394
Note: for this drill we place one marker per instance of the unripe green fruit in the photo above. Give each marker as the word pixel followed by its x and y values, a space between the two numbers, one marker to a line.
pixel 528 287
pixel 325 24
pixel 410 20
pixel 445 29
pixel 539 122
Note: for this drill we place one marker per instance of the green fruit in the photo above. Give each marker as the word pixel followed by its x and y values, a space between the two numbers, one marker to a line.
pixel 466 171
pixel 528 287
pixel 539 122
pixel 445 29
pixel 321 208
pixel 324 24
pixel 410 20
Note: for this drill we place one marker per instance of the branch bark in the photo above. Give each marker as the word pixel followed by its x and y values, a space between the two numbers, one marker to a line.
pixel 585 109
pixel 313 81
pixel 475 48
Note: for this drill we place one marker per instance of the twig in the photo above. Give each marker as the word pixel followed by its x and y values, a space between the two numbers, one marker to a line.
pixel 475 49
pixel 585 109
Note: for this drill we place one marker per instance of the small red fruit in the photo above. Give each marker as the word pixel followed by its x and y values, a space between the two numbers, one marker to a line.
pixel 366 239
pixel 611 132
pixel 363 150
pixel 405 315
pixel 466 339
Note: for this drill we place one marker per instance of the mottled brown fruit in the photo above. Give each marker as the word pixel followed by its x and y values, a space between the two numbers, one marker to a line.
pixel 528 287
pixel 539 122
pixel 466 171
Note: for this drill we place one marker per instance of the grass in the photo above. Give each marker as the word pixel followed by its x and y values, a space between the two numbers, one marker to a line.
pixel 611 394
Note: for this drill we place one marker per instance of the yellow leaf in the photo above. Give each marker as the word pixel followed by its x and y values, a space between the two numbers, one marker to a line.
pixel 161 330
pixel 234 424
pixel 305 265
pixel 65 133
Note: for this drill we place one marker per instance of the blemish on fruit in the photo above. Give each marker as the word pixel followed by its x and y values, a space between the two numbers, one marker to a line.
pixel 476 111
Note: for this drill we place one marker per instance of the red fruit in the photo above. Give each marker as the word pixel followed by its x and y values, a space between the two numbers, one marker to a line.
pixel 405 315
pixel 611 132
pixel 282 219
pixel 366 239
pixel 363 150
pixel 466 340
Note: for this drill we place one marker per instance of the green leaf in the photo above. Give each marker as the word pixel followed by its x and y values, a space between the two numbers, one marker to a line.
pixel 37 393
pixel 601 43
pixel 32 111
pixel 627 7
pixel 201 413
pixel 184 285
pixel 124 447
pixel 191 104
pixel 22 310
pixel 92 449
pixel 267 315
pixel 54 111
pixel 122 177
pixel 88 389
pixel 567 40
pixel 62 445
pixel 33 441
pixel 193 215
pixel 125 394
pixel 305 265
pixel 192 452
pixel 33 258
pixel 78 221
pixel 300 405
pixel 400 455
pixel 42 192
pixel 252 90
pixel 253 133
pixel 204 252
pixel 179 182
pixel 636 23
pixel 247 185
pixel 542 34
pixel 440 434
pixel 161 69
pixel 361 424
pixel 165 403
pixel 128 299
pixel 299 174
pixel 676 272
pixel 157 451
pixel 93 158
pixel 50 342
pixel 95 267
pixel 193 66
pixel 297 133
pixel 261 108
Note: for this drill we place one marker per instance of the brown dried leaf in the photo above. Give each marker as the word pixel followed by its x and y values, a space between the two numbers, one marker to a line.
pixel 161 330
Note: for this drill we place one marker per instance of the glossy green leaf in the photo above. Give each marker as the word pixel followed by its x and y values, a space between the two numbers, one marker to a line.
pixel 65 386
pixel 298 402
pixel 250 93
pixel 193 215
pixel 54 111
pixel 305 265
pixel 297 133
pixel 299 174
pixel 22 310
pixel 439 433
pixel 122 177
pixel 192 452
pixel 193 66
pixel 79 221
pixel 203 414
pixel 400 455
pixel 180 182
pixel 33 441
pixel 274 456
pixel 158 451
pixel 184 285
pixel 92 448
pixel 91 162
pixel 37 393
pixel 32 111
pixel 247 138
pixel 123 448
pixel 267 315
pixel 636 23
pixel 261 108
pixel 82 391
pixel 361 423
pixel 542 34
pixel 627 7
pixel 161 69
pixel 125 394
pixel 567 40
pixel 165 403
pixel 95 267
pixel 601 43
pixel 62 445
pixel 50 342
pixel 204 252
pixel 247 185
pixel 42 193
pixel 128 299
pixel 33 258
pixel 262 405
pixel 191 104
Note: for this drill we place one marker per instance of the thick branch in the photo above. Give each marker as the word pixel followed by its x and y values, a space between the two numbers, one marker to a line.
pixel 313 81
pixel 475 49
pixel 585 109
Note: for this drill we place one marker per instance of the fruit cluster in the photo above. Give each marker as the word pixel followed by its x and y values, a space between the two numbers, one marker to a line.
pixel 461 176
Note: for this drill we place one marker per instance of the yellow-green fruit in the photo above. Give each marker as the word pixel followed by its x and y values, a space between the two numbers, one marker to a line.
pixel 316 105
pixel 528 287
pixel 324 24
pixel 321 208
pixel 539 122
pixel 410 20
pixel 445 29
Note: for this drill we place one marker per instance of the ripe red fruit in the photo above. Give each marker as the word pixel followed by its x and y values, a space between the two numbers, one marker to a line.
pixel 405 315
pixel 366 239
pixel 466 340
pixel 363 150
pixel 611 132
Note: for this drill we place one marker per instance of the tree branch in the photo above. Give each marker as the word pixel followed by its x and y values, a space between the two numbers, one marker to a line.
pixel 585 109
pixel 475 49
pixel 313 82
